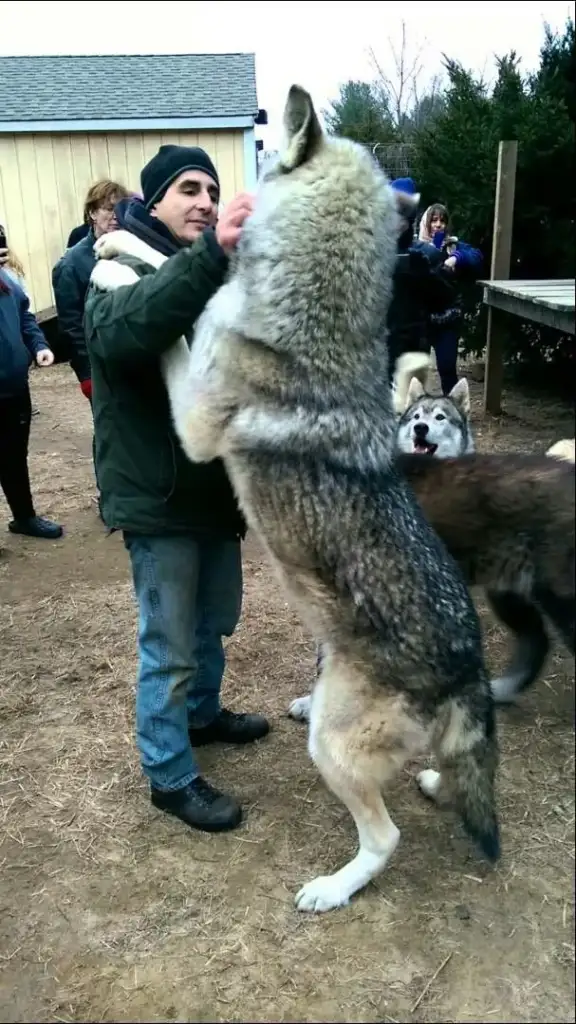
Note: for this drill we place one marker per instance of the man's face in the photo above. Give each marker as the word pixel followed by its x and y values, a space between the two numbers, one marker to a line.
pixel 189 206
pixel 104 219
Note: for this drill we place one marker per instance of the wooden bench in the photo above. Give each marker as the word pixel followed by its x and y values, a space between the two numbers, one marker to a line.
pixel 550 303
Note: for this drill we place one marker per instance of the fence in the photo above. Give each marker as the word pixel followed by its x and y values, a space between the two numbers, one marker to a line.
pixel 395 158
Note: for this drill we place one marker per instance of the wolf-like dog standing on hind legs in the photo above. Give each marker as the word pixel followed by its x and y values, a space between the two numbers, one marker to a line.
pixel 286 380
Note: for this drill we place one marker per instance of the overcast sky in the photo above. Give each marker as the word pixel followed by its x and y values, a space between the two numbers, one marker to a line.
pixel 318 44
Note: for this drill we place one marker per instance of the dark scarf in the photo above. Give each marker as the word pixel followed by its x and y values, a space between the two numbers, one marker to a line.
pixel 133 216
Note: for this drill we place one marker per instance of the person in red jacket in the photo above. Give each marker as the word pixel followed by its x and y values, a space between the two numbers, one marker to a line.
pixel 71 276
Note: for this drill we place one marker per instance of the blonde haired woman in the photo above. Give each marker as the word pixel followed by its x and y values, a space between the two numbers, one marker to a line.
pixel 10 263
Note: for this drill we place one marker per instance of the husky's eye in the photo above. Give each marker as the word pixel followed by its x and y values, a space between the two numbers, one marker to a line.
pixel 439 416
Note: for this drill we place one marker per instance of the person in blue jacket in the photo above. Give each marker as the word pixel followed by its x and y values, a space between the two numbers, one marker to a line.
pixel 21 343
pixel 421 287
pixel 460 262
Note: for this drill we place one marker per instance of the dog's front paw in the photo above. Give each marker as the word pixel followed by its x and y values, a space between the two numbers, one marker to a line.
pixel 123 243
pixel 299 709
pixel 107 277
pixel 322 894
pixel 110 245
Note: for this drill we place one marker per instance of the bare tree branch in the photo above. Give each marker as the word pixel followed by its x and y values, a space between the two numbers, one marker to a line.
pixel 402 88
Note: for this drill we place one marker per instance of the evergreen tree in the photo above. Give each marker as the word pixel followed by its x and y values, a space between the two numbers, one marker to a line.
pixel 361 113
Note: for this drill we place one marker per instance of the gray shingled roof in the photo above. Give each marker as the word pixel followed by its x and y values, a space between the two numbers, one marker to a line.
pixel 138 87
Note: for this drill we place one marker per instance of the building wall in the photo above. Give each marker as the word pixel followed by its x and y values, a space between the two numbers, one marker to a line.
pixel 44 179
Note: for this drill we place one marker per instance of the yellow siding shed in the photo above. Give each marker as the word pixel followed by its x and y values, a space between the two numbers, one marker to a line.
pixel 50 157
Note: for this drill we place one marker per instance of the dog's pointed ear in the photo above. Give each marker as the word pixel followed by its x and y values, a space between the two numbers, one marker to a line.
pixel 460 395
pixel 303 132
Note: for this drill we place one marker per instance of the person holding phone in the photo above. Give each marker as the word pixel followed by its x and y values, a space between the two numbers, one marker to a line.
pixel 21 343
pixel 419 288
pixel 460 262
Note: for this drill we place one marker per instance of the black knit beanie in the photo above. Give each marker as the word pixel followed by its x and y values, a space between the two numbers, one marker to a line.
pixel 167 165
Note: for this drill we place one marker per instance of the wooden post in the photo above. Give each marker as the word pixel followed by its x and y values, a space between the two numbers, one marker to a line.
pixel 500 271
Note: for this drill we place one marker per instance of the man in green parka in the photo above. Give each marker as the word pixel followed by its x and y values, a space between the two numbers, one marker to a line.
pixel 181 525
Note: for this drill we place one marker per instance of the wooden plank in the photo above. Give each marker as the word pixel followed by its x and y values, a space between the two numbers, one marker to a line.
pixel 558 318
pixel 554 293
pixel 70 197
pixel 557 304
pixel 494 368
pixel 45 314
pixel 499 270
pixel 530 286
pixel 40 282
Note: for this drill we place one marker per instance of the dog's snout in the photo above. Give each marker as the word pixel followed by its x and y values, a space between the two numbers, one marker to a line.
pixel 421 429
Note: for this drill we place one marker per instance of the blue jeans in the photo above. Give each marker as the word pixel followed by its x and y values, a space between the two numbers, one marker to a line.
pixel 189 595
pixel 445 344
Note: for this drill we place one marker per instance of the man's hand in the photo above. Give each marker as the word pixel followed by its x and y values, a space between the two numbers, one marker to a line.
pixel 229 226
pixel 450 263
pixel 45 357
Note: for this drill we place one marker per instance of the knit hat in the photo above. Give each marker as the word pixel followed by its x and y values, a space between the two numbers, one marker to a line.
pixel 167 165
pixel 405 185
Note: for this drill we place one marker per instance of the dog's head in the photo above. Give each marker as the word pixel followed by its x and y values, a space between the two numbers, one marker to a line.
pixel 309 154
pixel 438 426
pixel 327 219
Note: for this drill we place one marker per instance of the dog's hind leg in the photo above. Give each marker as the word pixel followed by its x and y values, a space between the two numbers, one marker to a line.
pixel 466 746
pixel 561 610
pixel 359 739
pixel 531 643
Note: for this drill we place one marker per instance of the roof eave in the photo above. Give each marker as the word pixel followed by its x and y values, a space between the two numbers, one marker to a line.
pixel 131 124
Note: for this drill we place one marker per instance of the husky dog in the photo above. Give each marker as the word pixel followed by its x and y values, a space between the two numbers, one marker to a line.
pixel 436 425
pixel 509 520
pixel 286 381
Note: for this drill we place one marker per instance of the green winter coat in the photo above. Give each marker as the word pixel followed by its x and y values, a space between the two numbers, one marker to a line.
pixel 147 484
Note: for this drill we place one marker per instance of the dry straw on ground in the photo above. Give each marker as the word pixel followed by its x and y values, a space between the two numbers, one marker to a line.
pixel 111 912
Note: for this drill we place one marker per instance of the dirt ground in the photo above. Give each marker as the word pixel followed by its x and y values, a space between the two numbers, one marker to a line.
pixel 110 911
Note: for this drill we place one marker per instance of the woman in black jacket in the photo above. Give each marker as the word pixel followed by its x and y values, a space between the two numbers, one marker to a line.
pixel 421 289
pixel 21 343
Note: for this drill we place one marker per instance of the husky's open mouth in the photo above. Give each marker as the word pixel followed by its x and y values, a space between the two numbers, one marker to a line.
pixel 424 448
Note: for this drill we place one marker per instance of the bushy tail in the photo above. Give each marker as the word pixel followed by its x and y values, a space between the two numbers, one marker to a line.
pixel 564 450
pixel 408 365
pixel 468 756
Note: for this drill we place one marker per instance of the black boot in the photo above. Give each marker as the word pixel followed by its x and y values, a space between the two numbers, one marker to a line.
pixel 36 526
pixel 228 727
pixel 200 805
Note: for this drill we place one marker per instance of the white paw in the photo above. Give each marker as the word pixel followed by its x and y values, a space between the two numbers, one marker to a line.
pixel 320 895
pixel 107 277
pixel 429 782
pixel 300 708
pixel 504 689
pixel 110 245
pixel 123 243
